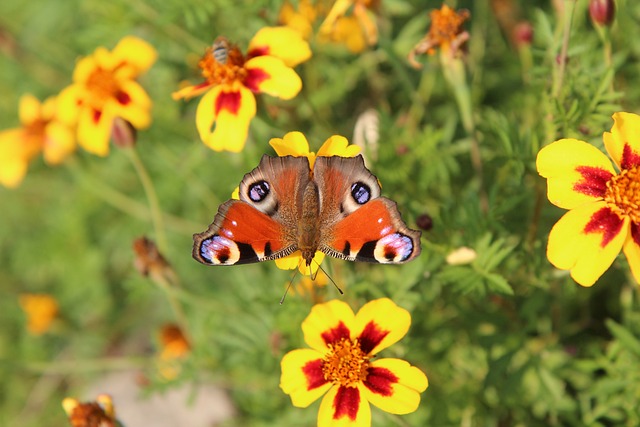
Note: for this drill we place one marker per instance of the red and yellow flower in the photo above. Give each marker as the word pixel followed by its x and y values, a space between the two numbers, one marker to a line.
pixel 100 412
pixel 295 144
pixel 231 79
pixel 340 365
pixel 604 205
pixel 104 88
pixel 41 131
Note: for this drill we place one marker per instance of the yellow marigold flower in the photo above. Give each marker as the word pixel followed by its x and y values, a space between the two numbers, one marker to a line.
pixel 445 33
pixel 604 206
pixel 231 79
pixel 175 347
pixel 41 131
pixel 300 19
pixel 104 88
pixel 296 144
pixel 100 413
pixel 356 30
pixel 41 311
pixel 340 364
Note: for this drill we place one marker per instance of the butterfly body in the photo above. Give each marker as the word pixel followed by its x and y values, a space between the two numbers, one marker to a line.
pixel 285 206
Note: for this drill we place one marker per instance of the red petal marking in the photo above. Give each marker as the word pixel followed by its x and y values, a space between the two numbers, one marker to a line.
pixel 123 97
pixel 635 233
pixel 255 76
pixel 370 337
pixel 229 101
pixel 594 181
pixel 346 403
pixel 258 51
pixel 96 116
pixel 606 222
pixel 629 158
pixel 379 381
pixel 336 334
pixel 313 371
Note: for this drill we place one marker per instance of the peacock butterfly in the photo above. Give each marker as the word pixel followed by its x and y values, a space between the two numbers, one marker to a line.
pixel 285 206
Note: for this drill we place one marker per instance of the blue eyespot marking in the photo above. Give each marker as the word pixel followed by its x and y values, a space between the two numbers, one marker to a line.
pixel 258 191
pixel 360 192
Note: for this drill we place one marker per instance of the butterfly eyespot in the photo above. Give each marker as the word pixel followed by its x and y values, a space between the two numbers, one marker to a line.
pixel 258 191
pixel 361 193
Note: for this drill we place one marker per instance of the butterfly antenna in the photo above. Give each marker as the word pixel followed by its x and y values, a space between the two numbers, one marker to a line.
pixel 288 286
pixel 330 278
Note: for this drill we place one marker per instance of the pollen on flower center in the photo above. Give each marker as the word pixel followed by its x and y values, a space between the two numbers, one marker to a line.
pixel 346 364
pixel 216 72
pixel 623 194
pixel 102 85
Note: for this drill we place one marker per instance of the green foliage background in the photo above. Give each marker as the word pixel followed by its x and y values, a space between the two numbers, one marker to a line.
pixel 505 341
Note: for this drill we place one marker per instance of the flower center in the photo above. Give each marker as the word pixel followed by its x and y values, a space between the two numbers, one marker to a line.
pixel 623 194
pixel 102 85
pixel 222 63
pixel 346 364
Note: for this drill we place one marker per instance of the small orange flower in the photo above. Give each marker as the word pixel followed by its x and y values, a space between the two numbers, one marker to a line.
pixel 91 414
pixel 445 33
pixel 356 30
pixel 231 79
pixel 104 88
pixel 41 311
pixel 295 144
pixel 41 131
pixel 175 347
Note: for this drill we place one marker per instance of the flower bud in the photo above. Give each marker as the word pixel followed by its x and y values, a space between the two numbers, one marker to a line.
pixel 602 11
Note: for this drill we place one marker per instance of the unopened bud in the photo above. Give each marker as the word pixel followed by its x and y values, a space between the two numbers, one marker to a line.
pixel 602 11
pixel 123 133
pixel 523 34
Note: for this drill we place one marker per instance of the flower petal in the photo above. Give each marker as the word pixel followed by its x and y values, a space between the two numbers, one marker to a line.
pixel 267 74
pixel 29 109
pixel 576 172
pixel 347 30
pixel 379 324
pixel 586 240
pixel 338 9
pixel 132 104
pixel 623 142
pixel 294 260
pixel 394 386
pixel 136 53
pixel 190 91
pixel 337 145
pixel 94 130
pixel 69 104
pixel 328 323
pixel 344 406
pixel 284 43
pixel 631 250
pixel 292 144
pixel 302 377
pixel 13 163
pixel 59 143
pixel 231 108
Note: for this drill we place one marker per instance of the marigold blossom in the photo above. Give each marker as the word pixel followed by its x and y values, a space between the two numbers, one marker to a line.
pixel 41 131
pixel 232 78
pixel 41 311
pixel 175 347
pixel 604 205
pixel 104 88
pixel 355 30
pixel 340 364
pixel 90 414
pixel 296 144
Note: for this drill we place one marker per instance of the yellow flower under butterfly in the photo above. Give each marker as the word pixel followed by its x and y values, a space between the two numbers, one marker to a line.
pixel 296 144
pixel 604 205
pixel 340 364
pixel 104 88
pixel 41 131
pixel 231 79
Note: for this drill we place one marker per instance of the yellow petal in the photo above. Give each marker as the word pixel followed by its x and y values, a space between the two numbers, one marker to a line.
pixel 136 109
pixel 84 68
pixel 29 109
pixel 292 144
pixel 298 21
pixel 631 250
pixel 379 324
pixel 347 31
pixel 338 145
pixel 267 74
pixel 294 260
pixel 367 22
pixel 59 143
pixel 136 53
pixel 576 172
pixel 394 386
pixel 13 164
pixel 231 108
pixel 339 8
pixel 302 377
pixel 68 104
pixel 327 323
pixel 284 43
pixel 94 131
pixel 623 142
pixel 344 407
pixel 586 240
pixel 190 91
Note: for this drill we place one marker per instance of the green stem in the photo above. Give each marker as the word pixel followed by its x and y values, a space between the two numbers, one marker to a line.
pixel 152 198
pixel 562 62
pixel 170 292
